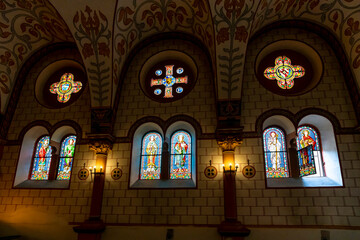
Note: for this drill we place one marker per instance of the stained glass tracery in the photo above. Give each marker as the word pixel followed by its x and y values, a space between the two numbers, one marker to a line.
pixel 276 163
pixel 307 136
pixel 65 87
pixel 284 72
pixel 151 149
pixel 180 162
pixel 42 159
pixel 66 158
pixel 169 80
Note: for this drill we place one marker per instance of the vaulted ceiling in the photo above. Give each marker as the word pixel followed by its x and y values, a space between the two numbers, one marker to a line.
pixel 107 32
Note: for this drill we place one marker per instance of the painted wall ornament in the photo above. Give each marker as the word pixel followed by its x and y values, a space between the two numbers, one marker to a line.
pixel 65 87
pixel 249 170
pixel 210 171
pixel 284 72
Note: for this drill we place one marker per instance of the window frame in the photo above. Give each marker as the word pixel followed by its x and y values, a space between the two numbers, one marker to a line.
pixel 323 170
pixel 33 158
pixel 134 180
pixel 59 158
pixel 285 151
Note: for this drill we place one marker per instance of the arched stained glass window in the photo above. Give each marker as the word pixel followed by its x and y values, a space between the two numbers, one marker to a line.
pixel 151 149
pixel 276 163
pixel 41 160
pixel 66 158
pixel 180 162
pixel 308 136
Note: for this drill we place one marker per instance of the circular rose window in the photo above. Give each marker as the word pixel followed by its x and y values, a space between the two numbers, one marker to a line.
pixel 288 72
pixel 169 80
pixel 63 87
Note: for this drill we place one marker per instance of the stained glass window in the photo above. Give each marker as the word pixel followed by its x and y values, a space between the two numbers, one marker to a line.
pixel 42 159
pixel 65 87
pixel 151 150
pixel 307 136
pixel 276 163
pixel 66 158
pixel 284 72
pixel 180 162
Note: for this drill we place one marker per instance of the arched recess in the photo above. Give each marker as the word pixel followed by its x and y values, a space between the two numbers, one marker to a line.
pixel 28 137
pixel 134 25
pixel 352 81
pixel 21 78
pixel 155 38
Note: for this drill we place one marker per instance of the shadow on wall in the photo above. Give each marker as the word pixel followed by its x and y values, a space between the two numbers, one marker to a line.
pixel 35 224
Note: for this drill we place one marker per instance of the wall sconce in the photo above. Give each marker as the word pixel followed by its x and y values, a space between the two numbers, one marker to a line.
pixel 230 168
pixel 95 170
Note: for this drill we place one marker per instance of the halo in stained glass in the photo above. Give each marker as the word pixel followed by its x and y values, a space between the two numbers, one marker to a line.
pixel 157 91
pixel 307 136
pixel 275 153
pixel 151 149
pixel 42 159
pixel 66 158
pixel 180 160
pixel 179 70
pixel 179 89
pixel 158 72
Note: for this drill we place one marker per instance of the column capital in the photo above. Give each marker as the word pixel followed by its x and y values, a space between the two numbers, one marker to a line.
pixel 229 143
pixel 101 143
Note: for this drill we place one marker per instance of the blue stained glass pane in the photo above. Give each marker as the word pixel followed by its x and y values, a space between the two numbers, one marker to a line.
pixel 306 161
pixel 180 162
pixel 42 159
pixel 150 166
pixel 66 158
pixel 307 136
pixel 275 153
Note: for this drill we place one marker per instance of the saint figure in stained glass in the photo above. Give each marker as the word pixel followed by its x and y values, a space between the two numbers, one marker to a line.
pixel 284 72
pixel 42 159
pixel 151 156
pixel 66 158
pixel 180 166
pixel 65 87
pixel 308 138
pixel 275 153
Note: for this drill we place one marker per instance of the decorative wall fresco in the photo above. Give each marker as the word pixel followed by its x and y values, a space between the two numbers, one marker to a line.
pixel 94 38
pixel 25 26
pixel 138 19
pixel 232 22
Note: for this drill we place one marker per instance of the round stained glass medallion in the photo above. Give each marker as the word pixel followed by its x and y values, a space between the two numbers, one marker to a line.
pixel 158 72
pixel 157 91
pixel 179 70
pixel 285 72
pixel 179 89
pixel 64 87
pixel 175 81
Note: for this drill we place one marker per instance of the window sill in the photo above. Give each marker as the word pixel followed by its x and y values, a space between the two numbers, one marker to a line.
pixel 186 183
pixel 302 182
pixel 53 184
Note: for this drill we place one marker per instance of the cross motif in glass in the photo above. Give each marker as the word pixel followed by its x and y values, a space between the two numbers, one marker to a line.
pixel 65 87
pixel 284 72
pixel 169 80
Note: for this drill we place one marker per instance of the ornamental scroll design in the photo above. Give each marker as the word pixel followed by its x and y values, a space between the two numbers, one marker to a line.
pixel 93 36
pixel 145 18
pixel 25 26
pixel 232 22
